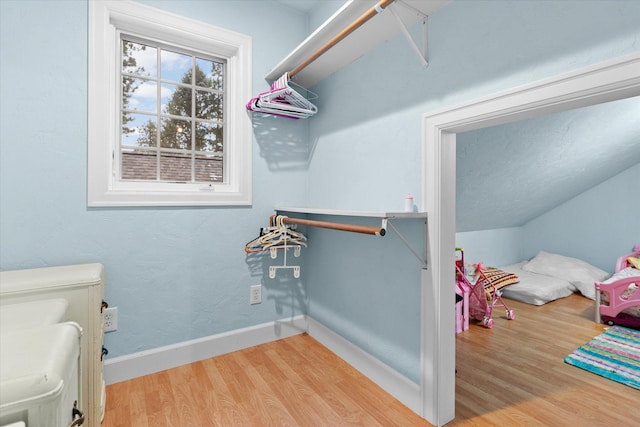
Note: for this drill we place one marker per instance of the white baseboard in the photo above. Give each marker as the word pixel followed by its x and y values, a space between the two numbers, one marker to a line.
pixel 390 380
pixel 135 365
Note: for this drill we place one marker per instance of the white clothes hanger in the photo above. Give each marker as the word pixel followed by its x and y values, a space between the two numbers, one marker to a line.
pixel 276 236
pixel 283 100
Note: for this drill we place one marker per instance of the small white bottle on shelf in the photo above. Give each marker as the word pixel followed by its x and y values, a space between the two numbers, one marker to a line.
pixel 408 203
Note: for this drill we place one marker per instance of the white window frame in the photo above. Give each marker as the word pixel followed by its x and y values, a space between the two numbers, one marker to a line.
pixel 104 187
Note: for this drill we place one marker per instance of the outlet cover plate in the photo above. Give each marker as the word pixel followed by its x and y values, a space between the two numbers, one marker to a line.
pixel 255 294
pixel 110 316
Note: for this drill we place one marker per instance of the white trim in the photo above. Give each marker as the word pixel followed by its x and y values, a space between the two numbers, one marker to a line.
pixel 614 79
pixel 135 365
pixel 106 18
pixel 393 382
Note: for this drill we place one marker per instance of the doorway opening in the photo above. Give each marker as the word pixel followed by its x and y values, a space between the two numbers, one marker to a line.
pixel 609 81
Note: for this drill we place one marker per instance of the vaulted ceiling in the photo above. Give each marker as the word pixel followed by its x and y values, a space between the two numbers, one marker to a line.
pixel 510 174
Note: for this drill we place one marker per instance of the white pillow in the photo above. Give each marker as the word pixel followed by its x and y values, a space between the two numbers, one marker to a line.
pixel 535 288
pixel 580 273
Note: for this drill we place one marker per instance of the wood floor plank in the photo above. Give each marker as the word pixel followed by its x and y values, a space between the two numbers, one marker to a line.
pixel 282 387
pixel 511 375
pixel 265 405
pixel 137 404
pixel 303 392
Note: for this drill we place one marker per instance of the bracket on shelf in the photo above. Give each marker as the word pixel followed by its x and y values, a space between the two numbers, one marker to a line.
pixel 385 222
pixel 422 54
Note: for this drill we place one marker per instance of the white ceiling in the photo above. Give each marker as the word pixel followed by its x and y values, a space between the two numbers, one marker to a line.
pixel 510 174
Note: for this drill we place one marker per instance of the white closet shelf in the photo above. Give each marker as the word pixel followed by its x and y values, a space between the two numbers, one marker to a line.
pixel 383 215
pixel 338 212
pixel 379 29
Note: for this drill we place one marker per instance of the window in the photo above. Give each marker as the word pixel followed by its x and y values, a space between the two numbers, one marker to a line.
pixel 167 124
pixel 171 114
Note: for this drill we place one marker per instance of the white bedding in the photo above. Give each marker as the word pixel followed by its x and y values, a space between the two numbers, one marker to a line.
pixel 550 276
pixel 580 273
pixel 534 288
pixel 627 272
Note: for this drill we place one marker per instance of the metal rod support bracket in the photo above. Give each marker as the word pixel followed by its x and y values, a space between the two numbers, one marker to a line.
pixel 407 244
pixel 422 54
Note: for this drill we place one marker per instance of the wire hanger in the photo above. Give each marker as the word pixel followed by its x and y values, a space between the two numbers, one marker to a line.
pixel 283 100
pixel 278 236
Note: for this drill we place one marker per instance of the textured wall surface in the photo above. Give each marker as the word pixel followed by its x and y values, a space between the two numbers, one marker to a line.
pixel 181 273
pixel 368 135
pixel 508 175
pixel 598 226
pixel 175 274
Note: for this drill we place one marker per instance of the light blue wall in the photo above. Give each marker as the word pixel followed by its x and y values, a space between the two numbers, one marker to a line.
pixel 174 273
pixel 597 226
pixel 368 140
pixel 360 277
pixel 496 248
pixel 510 174
pixel 177 274
pixel 323 11
pixel 368 130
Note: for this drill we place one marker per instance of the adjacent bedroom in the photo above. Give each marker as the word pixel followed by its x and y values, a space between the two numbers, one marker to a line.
pixel 561 184
pixel 548 209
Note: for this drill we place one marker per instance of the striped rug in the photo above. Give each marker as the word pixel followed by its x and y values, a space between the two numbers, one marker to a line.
pixel 614 354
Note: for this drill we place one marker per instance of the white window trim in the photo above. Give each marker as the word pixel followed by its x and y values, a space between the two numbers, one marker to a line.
pixel 106 19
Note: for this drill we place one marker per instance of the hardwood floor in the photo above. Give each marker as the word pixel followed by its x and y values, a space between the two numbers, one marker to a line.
pixel 290 382
pixel 515 375
pixel 511 375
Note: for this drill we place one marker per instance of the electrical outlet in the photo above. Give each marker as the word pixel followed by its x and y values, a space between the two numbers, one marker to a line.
pixel 110 316
pixel 256 294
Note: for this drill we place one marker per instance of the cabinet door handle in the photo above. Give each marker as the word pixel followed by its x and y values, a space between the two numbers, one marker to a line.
pixel 75 412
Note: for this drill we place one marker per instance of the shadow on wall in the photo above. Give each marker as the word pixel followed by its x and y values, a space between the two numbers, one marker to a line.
pixel 284 143
pixel 476 48
pixel 283 288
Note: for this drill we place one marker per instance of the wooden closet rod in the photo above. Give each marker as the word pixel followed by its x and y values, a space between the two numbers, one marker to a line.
pixel 336 226
pixel 341 35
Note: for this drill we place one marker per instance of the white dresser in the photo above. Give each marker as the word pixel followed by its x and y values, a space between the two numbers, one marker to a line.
pixel 82 286
pixel 40 375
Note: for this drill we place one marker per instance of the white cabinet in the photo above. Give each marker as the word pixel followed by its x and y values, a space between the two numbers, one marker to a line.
pixel 40 375
pixel 83 287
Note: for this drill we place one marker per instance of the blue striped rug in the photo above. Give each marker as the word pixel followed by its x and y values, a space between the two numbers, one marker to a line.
pixel 614 354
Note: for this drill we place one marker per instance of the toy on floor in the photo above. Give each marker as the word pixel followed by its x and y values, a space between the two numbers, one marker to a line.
pixel 483 293
pixel 618 298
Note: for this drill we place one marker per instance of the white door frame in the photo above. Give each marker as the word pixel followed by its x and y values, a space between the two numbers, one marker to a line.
pixel 611 80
